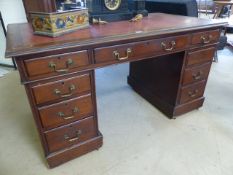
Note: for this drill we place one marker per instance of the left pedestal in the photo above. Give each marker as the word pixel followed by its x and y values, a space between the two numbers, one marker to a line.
pixel 63 102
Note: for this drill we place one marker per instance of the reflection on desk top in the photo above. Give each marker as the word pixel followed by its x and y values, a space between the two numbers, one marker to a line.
pixel 22 41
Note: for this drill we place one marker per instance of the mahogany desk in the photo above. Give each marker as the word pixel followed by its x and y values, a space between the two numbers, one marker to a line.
pixel 170 58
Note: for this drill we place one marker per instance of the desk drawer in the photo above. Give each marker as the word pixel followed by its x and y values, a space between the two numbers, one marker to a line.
pixel 66 112
pixel 59 64
pixel 69 135
pixel 207 37
pixel 196 73
pixel 192 92
pixel 200 56
pixel 140 50
pixel 61 89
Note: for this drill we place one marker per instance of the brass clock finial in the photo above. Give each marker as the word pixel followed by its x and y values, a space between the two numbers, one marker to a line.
pixel 98 21
pixel 68 2
pixel 138 17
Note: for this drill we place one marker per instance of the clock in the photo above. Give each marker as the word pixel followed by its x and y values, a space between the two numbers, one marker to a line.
pixel 109 10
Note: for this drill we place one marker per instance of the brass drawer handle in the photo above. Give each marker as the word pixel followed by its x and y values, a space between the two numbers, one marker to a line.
pixel 53 65
pixel 198 75
pixel 62 115
pixel 165 47
pixel 116 54
pixel 193 94
pixel 206 39
pixel 67 137
pixel 59 93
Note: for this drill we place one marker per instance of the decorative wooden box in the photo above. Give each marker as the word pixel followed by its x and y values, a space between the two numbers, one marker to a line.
pixel 58 23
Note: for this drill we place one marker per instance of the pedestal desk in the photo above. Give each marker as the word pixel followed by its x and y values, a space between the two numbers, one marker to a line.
pixel 170 58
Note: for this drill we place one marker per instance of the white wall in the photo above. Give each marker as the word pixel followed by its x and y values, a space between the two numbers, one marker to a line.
pixel 12 12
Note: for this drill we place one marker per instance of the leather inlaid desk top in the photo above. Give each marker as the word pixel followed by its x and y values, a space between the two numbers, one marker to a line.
pixel 22 41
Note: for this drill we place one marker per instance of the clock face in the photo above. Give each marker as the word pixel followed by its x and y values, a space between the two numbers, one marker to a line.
pixel 112 4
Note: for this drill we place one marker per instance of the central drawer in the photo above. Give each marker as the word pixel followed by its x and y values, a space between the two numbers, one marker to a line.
pixel 71 134
pixel 140 50
pixel 66 112
pixel 61 89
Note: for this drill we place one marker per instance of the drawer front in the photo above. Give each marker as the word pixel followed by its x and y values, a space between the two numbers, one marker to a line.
pixel 66 112
pixel 69 135
pixel 192 92
pixel 61 89
pixel 140 50
pixel 200 56
pixel 58 64
pixel 206 37
pixel 196 73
